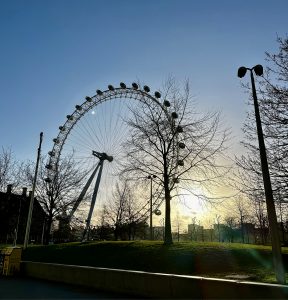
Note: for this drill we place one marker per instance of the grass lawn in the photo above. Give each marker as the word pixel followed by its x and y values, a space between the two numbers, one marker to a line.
pixel 189 258
pixel 4 246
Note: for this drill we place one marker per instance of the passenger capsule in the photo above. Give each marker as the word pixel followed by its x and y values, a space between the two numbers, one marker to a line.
pixel 157 95
pixel 157 212
pixel 146 88
pixel 166 103
pixel 174 115
pixel 181 145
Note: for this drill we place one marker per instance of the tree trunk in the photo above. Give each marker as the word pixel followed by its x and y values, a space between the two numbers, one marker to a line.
pixel 168 234
pixel 242 229
pixel 116 232
pixel 48 229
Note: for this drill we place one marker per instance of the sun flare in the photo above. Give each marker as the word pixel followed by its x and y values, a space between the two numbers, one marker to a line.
pixel 190 205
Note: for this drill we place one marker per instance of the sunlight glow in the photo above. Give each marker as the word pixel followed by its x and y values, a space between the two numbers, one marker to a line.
pixel 190 204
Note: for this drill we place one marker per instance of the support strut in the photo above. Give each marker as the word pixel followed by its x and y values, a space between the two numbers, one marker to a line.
pixel 88 221
pixel 102 157
pixel 81 196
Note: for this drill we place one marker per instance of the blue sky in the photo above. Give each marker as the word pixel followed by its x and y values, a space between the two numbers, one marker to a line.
pixel 54 53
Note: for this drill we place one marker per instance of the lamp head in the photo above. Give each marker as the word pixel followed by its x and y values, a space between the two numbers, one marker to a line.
pixel 242 72
pixel 258 69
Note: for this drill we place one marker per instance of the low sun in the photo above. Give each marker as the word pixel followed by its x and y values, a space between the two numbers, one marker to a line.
pixel 190 204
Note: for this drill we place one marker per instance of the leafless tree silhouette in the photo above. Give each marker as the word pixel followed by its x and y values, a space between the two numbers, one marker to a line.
pixel 183 151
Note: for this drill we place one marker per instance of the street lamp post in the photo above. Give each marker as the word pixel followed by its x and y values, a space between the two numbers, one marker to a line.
pixel 29 218
pixel 151 210
pixel 271 212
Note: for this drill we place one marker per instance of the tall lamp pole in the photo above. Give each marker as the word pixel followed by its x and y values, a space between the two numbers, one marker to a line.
pixel 29 219
pixel 151 212
pixel 271 212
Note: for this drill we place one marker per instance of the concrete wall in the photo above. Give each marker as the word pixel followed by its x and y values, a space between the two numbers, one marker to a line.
pixel 154 285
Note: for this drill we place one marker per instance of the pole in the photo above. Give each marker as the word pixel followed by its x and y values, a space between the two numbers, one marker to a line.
pixel 29 219
pixel 271 212
pixel 17 226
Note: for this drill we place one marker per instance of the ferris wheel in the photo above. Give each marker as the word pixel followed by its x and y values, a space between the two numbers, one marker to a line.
pixel 94 135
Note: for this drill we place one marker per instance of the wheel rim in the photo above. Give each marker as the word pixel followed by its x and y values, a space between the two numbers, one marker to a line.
pixel 88 129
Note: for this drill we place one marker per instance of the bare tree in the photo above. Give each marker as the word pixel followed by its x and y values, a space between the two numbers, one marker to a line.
pixel 218 224
pixel 273 100
pixel 192 229
pixel 241 207
pixel 260 213
pixel 116 208
pixel 230 223
pixel 123 211
pixel 58 196
pixel 177 225
pixel 274 108
pixel 178 145
pixel 10 170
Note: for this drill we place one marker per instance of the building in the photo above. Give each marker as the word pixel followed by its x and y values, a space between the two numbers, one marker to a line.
pixel 13 217
pixel 195 232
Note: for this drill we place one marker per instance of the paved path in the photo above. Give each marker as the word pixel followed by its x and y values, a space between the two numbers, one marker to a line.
pixel 28 288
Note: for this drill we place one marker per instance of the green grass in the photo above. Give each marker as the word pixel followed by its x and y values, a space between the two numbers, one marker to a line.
pixel 2 246
pixel 190 258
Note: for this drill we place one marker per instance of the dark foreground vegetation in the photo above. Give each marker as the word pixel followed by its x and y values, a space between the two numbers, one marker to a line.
pixel 221 260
